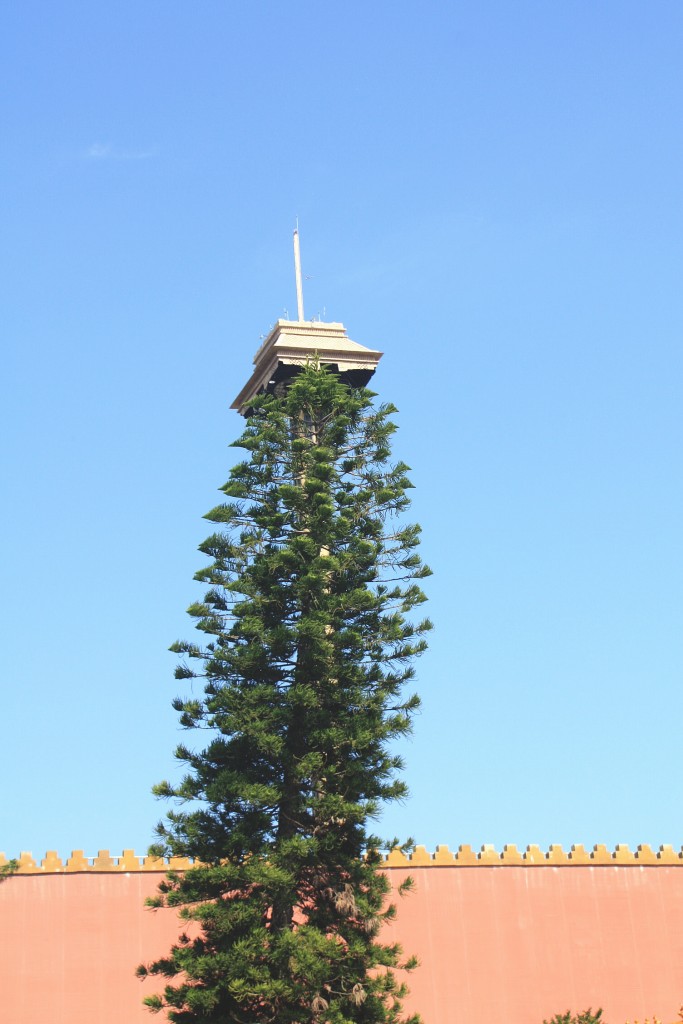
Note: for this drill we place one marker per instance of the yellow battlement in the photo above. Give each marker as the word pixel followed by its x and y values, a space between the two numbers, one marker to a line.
pixel 464 856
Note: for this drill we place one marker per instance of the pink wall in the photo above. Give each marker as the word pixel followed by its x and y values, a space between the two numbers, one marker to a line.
pixel 508 943
pixel 519 944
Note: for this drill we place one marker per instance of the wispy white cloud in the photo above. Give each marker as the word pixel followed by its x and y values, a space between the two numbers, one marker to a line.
pixel 107 151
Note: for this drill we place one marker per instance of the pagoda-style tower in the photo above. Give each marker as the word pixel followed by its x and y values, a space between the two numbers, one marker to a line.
pixel 293 343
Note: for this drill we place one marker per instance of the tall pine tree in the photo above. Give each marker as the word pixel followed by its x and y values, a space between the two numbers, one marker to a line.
pixel 309 642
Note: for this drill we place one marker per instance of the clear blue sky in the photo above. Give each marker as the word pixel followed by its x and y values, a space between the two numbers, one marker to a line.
pixel 489 192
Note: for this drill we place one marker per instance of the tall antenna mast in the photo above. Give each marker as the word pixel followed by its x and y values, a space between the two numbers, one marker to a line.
pixel 297 271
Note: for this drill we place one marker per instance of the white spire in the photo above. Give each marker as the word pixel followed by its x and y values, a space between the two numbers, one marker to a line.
pixel 297 271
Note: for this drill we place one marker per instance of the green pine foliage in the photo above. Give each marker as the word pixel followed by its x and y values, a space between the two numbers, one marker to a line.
pixel 8 869
pixel 587 1017
pixel 308 644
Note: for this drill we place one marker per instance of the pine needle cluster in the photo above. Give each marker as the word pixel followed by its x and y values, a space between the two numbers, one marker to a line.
pixel 309 641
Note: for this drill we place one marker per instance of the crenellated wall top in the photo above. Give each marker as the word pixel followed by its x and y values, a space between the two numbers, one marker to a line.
pixel 443 857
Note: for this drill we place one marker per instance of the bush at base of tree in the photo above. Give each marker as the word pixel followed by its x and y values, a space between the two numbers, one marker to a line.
pixel 309 643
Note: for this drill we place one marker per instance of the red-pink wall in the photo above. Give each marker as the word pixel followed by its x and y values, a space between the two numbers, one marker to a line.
pixel 513 944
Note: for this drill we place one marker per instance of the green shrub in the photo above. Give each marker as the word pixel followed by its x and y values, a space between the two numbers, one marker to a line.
pixel 587 1017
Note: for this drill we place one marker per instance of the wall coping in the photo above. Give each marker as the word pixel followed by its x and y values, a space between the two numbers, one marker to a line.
pixel 464 857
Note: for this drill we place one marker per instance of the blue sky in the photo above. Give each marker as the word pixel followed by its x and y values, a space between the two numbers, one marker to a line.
pixel 488 192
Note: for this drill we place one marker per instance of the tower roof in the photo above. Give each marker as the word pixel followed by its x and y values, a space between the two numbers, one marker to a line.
pixel 293 343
